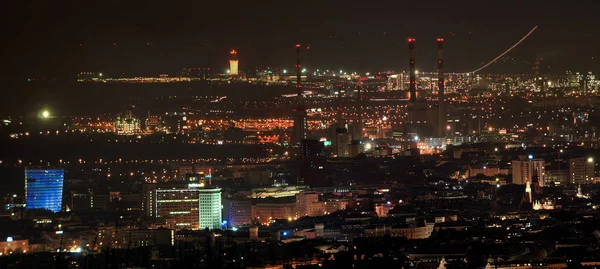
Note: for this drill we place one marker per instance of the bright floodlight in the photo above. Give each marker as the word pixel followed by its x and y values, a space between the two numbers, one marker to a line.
pixel 45 114
pixel 530 156
pixel 590 160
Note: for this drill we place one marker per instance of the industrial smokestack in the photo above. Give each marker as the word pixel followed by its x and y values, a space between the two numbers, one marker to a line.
pixel 540 75
pixel 357 134
pixel 442 103
pixel 412 70
pixel 298 73
pixel 300 124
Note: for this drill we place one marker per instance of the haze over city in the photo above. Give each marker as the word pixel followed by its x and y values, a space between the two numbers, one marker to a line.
pixel 313 134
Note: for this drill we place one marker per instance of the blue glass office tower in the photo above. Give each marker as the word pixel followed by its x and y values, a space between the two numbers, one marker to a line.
pixel 44 189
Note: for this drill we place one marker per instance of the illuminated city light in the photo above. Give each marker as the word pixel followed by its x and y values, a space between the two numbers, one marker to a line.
pixel 331 149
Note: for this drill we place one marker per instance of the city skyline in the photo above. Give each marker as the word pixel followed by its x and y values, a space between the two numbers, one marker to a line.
pixel 305 135
pixel 136 46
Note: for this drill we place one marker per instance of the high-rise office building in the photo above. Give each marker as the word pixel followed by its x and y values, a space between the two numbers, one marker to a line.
pixel 209 208
pixel 581 170
pixel 341 133
pixel 148 195
pixel 523 171
pixel 178 206
pixel 237 211
pixel 312 162
pixel 341 142
pixel 44 189
pixel 190 207
pixel 233 63
pixel 308 204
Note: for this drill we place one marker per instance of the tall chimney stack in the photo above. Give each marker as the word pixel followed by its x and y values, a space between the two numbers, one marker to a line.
pixel 412 70
pixel 300 125
pixel 442 103
pixel 298 74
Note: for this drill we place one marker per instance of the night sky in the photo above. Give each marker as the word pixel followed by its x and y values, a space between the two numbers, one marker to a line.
pixel 60 38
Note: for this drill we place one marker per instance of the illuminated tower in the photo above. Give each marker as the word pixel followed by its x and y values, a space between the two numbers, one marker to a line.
pixel 341 132
pixel 441 101
pixel 233 63
pixel 300 124
pixel 528 191
pixel 412 69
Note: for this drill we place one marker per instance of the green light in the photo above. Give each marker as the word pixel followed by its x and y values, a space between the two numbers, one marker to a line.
pixel 45 114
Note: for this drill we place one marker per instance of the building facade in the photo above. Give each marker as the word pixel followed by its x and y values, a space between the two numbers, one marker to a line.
pixel 210 208
pixel 237 211
pixel 44 189
pixel 308 204
pixel 179 207
pixel 264 212
pixel 524 170
pixel 581 170
pixel 143 238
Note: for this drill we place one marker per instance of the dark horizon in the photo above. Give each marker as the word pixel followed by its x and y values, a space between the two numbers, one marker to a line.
pixel 55 40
